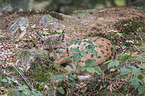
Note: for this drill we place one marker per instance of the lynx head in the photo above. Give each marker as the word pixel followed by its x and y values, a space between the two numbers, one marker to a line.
pixel 55 44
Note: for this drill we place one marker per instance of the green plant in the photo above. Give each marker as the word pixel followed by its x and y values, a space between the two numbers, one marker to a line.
pixel 21 90
pixel 66 77
pixel 112 64
pixel 8 80
pixel 78 54
pixel 137 76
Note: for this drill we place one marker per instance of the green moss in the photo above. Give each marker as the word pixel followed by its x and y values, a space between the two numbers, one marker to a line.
pixel 23 53
pixel 44 74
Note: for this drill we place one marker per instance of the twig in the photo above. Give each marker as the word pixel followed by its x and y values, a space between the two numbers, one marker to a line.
pixel 24 77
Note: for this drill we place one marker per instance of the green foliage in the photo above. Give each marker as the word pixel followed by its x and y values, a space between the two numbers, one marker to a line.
pixel 137 76
pixel 78 54
pixel 90 62
pixel 60 90
pixel 26 92
pixel 59 77
pixel 8 79
pixel 92 69
pixel 69 77
pixel 83 53
pixel 21 90
pixel 111 64
pixel 63 77
pixel 72 76
pixel 124 70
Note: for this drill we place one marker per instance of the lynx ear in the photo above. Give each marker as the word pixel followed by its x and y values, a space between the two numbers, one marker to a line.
pixel 62 37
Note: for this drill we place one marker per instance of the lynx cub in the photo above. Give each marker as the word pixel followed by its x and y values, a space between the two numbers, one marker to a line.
pixel 104 47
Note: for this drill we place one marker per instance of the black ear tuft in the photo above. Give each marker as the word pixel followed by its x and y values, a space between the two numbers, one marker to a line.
pixel 62 37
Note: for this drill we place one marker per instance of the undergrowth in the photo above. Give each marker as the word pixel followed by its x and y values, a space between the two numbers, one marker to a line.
pixel 124 76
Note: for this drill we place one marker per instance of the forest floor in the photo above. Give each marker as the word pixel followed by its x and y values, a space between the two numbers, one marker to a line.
pixel 124 26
